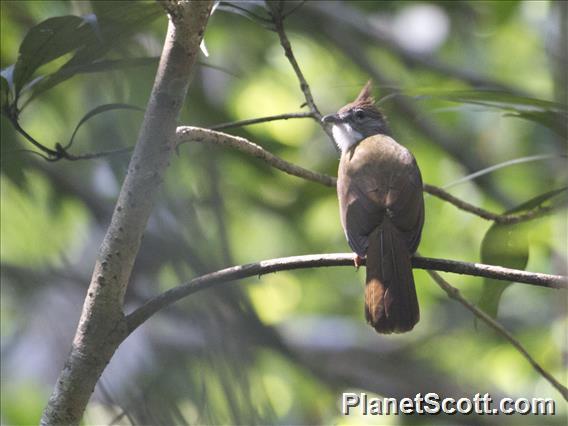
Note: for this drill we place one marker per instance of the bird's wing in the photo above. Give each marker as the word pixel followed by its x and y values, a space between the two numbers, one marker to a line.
pixel 363 213
pixel 405 203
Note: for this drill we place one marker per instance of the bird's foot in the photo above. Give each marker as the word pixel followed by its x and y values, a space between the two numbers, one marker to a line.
pixel 358 261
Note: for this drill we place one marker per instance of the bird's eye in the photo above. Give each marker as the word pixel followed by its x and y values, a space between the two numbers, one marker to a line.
pixel 359 114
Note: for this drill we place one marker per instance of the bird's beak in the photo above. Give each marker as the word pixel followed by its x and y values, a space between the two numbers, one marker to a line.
pixel 331 118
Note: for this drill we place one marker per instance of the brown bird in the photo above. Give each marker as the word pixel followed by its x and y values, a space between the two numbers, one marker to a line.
pixel 381 206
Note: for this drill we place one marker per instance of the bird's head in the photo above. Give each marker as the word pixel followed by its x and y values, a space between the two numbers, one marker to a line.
pixel 357 120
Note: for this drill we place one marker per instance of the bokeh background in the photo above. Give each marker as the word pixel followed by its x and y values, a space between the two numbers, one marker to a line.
pixel 282 348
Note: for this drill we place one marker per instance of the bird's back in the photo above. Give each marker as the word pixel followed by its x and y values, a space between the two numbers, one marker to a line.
pixel 378 176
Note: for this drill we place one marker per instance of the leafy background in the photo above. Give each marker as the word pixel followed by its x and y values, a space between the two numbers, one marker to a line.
pixel 282 348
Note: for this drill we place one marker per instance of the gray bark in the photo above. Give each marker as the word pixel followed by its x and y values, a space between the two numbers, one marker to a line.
pixel 102 326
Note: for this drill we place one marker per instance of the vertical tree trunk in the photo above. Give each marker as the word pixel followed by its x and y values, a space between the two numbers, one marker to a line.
pixel 102 326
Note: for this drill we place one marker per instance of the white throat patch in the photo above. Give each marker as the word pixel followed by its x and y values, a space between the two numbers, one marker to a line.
pixel 345 136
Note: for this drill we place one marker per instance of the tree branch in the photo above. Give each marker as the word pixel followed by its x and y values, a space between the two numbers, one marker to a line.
pixel 278 16
pixel 140 315
pixel 491 271
pixel 102 326
pixel 197 134
pixel 277 12
pixel 510 219
pixel 258 120
pixel 94 155
pixel 64 154
pixel 455 294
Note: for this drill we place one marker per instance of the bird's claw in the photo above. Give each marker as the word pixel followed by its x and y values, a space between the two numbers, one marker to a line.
pixel 358 261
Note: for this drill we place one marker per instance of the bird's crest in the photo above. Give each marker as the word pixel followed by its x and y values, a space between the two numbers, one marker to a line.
pixel 364 100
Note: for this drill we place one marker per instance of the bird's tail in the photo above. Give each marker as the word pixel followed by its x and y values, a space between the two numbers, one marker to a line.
pixel 391 305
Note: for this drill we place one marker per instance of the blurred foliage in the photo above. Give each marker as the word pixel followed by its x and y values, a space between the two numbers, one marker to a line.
pixel 282 348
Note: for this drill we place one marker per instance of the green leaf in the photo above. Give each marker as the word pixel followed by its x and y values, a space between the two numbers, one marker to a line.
pixel 112 24
pixel 503 245
pixel 554 121
pixel 47 41
pixel 98 110
pixel 508 245
pixel 115 23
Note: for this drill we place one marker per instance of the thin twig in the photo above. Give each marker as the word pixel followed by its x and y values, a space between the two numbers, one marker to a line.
pixel 196 134
pixel 294 9
pixel 29 151
pixel 100 154
pixel 277 13
pixel 52 154
pixel 137 317
pixel 258 120
pixel 502 165
pixel 278 19
pixel 455 294
pixel 491 271
pixel 248 13
pixel 512 218
pixel 63 154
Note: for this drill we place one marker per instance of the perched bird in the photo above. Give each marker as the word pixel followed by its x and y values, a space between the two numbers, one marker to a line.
pixel 381 206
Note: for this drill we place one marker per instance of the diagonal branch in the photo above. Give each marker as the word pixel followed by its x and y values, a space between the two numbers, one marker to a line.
pixel 197 134
pixel 234 273
pixel 509 219
pixel 455 294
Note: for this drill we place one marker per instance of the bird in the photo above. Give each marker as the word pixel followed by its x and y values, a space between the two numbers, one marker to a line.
pixel 381 207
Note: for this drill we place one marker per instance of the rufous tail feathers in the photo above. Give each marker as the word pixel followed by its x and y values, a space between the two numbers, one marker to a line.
pixel 391 305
